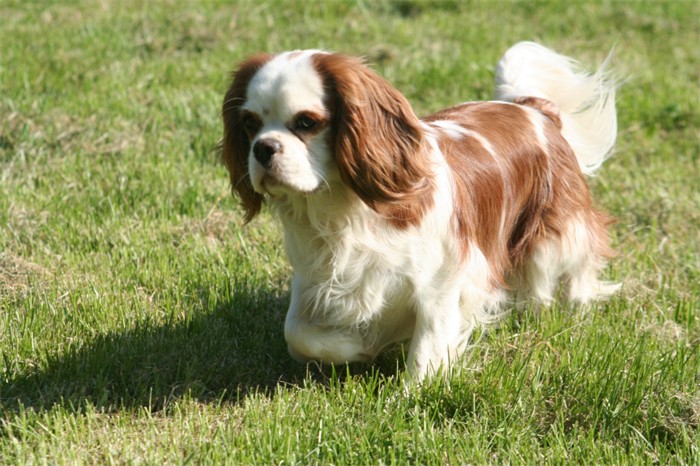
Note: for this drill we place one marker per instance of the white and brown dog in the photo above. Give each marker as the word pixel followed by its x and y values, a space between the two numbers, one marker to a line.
pixel 404 228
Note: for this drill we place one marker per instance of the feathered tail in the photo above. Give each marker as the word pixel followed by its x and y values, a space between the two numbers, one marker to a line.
pixel 586 101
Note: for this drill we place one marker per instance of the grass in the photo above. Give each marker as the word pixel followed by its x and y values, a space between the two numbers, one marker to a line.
pixel 141 322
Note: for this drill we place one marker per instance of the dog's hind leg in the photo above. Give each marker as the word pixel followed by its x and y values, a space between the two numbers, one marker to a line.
pixel 588 245
pixel 575 257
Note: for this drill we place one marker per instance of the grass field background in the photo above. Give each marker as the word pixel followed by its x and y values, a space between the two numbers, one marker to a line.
pixel 141 322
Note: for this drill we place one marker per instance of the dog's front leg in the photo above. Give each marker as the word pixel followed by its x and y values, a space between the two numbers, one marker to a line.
pixel 314 341
pixel 437 337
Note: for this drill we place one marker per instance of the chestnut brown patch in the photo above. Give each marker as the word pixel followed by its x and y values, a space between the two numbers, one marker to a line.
pixel 512 192
pixel 377 139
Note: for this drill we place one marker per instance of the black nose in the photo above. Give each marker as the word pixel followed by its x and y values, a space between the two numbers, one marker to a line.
pixel 264 150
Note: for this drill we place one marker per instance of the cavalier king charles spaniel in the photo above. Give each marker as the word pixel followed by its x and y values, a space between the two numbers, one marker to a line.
pixel 399 227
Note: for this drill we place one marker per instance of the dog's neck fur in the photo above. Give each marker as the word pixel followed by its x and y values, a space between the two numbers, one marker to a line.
pixel 335 244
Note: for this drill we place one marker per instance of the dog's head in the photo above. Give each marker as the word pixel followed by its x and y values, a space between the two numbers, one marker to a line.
pixel 303 122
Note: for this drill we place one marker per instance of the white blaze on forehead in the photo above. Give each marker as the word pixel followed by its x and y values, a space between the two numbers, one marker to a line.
pixel 286 85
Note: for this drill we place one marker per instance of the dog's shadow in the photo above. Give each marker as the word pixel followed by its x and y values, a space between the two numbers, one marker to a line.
pixel 224 355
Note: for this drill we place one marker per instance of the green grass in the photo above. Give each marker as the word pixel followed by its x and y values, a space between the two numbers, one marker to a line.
pixel 141 322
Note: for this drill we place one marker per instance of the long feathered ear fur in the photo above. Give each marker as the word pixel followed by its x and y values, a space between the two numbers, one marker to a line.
pixel 378 140
pixel 235 145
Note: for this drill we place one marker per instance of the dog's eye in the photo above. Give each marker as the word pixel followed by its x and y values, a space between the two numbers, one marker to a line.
pixel 250 123
pixel 305 123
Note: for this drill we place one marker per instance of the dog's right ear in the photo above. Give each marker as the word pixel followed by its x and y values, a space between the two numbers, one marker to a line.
pixel 235 145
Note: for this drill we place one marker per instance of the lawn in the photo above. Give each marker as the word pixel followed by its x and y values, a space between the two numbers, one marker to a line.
pixel 141 320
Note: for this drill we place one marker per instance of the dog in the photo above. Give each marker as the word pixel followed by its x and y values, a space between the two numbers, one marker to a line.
pixel 403 228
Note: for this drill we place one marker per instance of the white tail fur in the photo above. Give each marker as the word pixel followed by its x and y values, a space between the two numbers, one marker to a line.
pixel 586 101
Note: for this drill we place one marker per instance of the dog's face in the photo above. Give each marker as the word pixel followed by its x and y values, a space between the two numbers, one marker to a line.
pixel 286 124
pixel 307 121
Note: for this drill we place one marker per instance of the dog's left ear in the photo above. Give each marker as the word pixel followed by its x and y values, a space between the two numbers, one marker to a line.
pixel 378 140
pixel 235 145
